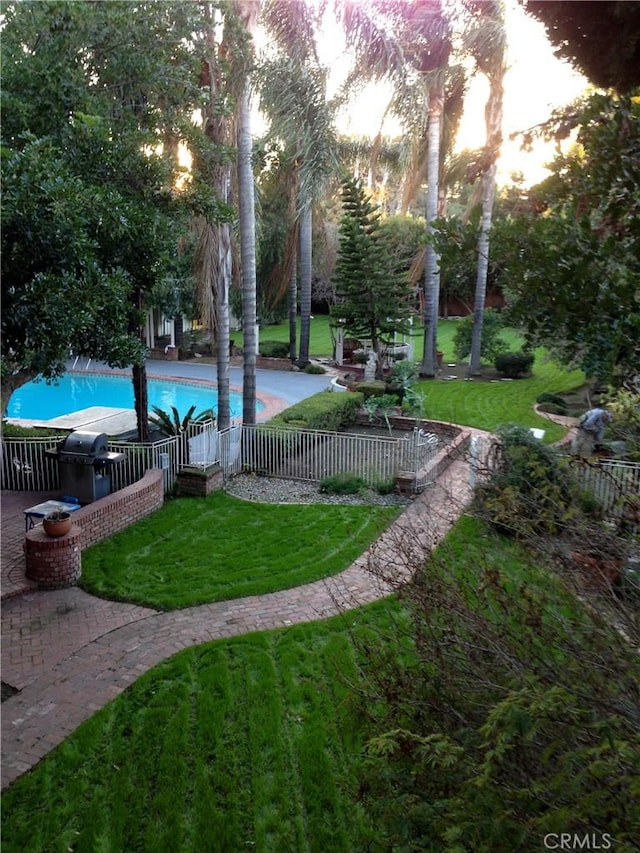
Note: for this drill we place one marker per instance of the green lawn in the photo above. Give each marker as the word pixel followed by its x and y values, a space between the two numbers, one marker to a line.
pixel 218 548
pixel 248 743
pixel 486 405
pixel 480 404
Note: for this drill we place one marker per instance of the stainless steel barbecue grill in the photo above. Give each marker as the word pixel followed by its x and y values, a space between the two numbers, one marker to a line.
pixel 83 463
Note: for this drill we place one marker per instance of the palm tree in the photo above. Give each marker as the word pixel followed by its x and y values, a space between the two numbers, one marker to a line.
pixel 293 95
pixel 247 11
pixel 213 254
pixel 409 43
pixel 487 43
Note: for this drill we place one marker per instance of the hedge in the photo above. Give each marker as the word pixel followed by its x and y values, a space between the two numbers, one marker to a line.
pixel 325 410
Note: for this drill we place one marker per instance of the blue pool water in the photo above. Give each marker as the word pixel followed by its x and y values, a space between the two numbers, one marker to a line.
pixel 74 391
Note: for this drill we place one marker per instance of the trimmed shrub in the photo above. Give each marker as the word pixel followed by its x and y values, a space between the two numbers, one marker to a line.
pixel 274 349
pixel 492 344
pixel 549 397
pixel 324 411
pixel 375 388
pixel 514 365
pixel 314 368
pixel 342 484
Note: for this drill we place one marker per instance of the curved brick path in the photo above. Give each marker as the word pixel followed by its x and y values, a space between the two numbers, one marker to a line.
pixel 69 653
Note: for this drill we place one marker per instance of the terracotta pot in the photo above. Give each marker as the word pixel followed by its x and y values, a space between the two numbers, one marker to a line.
pixel 58 526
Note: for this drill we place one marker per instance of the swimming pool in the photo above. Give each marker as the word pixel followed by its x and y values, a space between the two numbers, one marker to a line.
pixel 76 391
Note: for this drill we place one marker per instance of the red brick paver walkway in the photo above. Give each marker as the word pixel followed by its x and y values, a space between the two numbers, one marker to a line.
pixel 69 653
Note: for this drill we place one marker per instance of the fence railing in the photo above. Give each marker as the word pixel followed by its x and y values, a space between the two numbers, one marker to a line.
pixel 26 466
pixel 612 482
pixel 311 455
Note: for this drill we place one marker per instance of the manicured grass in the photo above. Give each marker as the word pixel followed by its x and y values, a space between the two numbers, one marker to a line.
pixel 194 551
pixel 480 404
pixel 486 405
pixel 248 743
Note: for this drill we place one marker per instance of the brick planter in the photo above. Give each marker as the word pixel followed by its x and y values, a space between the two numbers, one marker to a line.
pixel 54 563
pixel 199 482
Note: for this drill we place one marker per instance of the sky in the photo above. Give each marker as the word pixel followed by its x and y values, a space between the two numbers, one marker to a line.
pixel 535 84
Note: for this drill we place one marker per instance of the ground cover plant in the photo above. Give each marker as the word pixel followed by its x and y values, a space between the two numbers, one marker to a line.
pixel 194 551
pixel 498 714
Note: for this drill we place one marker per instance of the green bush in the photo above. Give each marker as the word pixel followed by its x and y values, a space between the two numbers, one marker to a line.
pixel 514 365
pixel 553 409
pixel 274 349
pixel 531 491
pixel 314 368
pixel 492 344
pixel 325 410
pixel 375 388
pixel 549 397
pixel 342 484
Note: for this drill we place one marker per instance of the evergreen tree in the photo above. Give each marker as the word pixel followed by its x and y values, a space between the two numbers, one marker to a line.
pixel 373 298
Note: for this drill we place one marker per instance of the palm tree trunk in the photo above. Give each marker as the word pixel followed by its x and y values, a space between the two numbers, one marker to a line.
pixel 141 400
pixel 488 193
pixel 222 333
pixel 293 307
pixel 432 259
pixel 246 205
pixel 306 229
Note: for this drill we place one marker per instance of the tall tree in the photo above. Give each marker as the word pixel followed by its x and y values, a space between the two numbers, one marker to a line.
pixel 487 42
pixel 292 86
pixel 373 298
pixel 573 274
pixel 105 110
pixel 410 44
pixel 247 11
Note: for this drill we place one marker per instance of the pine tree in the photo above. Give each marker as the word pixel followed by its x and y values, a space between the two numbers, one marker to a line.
pixel 373 297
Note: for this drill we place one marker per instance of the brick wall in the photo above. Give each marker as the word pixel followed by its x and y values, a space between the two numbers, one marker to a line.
pixel 102 518
pixel 57 563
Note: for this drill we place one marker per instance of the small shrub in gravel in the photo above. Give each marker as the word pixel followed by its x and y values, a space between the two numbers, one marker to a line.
pixel 342 484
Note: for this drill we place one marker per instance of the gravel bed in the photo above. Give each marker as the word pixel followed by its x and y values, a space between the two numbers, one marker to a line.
pixel 272 490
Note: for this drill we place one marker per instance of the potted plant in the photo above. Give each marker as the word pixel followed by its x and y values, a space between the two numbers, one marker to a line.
pixel 57 523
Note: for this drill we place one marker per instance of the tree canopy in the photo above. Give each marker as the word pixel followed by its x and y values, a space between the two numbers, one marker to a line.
pixel 599 37
pixel 89 215
pixel 573 270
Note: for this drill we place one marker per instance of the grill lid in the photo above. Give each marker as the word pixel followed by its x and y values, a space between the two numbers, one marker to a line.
pixel 84 444
pixel 85 448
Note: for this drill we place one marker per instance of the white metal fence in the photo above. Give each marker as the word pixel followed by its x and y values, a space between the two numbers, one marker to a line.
pixel 610 481
pixel 300 454
pixel 26 466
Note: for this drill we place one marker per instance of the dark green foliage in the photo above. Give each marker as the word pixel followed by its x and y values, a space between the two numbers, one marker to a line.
pixel 572 268
pixel 274 349
pixel 554 399
pixel 514 365
pixel 500 709
pixel 601 40
pixel 531 490
pixel 324 411
pixel 492 343
pixel 342 484
pixel 316 369
pixel 375 388
pixel 372 297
